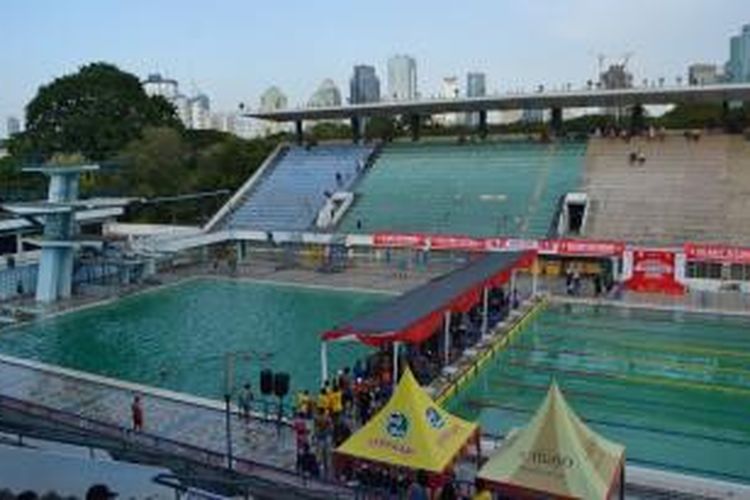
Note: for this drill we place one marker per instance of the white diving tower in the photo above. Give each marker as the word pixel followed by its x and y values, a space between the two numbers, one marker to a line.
pixel 60 238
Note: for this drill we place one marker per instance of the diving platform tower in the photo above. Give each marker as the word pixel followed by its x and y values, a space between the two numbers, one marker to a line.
pixel 60 238
pixel 55 279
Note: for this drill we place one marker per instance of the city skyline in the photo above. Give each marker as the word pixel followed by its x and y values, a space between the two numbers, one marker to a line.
pixel 547 43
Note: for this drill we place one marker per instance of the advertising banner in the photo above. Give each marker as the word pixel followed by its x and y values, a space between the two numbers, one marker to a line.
pixel 565 247
pixel 717 253
pixel 654 272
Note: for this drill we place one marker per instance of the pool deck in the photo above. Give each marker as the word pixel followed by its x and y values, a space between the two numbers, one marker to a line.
pixel 180 418
pixel 200 422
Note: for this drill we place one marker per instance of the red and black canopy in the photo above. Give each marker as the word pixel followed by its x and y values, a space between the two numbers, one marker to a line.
pixel 414 316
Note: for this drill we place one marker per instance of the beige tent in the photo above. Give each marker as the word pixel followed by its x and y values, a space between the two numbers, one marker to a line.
pixel 556 455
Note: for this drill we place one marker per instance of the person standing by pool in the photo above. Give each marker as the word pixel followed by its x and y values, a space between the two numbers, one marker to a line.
pixel 136 410
pixel 245 400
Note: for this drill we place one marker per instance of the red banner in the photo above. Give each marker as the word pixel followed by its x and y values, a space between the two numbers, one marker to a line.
pixel 654 271
pixel 581 248
pixel 590 248
pixel 717 253
pixel 456 243
pixel 399 240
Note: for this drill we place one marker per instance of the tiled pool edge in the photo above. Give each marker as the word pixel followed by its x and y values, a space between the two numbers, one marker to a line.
pixel 499 341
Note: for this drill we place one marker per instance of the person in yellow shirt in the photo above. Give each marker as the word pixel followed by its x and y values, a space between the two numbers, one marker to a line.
pixel 322 402
pixel 336 402
pixel 303 403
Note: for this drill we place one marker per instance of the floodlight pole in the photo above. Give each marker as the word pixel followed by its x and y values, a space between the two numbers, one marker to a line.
pixel 228 387
pixel 323 362
pixel 447 333
pixel 395 363
pixel 485 311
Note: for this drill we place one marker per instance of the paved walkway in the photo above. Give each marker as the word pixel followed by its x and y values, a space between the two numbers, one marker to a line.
pixel 193 421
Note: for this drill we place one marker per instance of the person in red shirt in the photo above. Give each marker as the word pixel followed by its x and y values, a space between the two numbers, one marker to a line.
pixel 137 413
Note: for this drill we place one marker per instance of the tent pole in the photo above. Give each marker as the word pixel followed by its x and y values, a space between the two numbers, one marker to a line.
pixel 534 276
pixel 447 324
pixel 323 362
pixel 485 311
pixel 395 364
pixel 512 281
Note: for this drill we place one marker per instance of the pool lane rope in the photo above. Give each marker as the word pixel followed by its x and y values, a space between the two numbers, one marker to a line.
pixel 498 344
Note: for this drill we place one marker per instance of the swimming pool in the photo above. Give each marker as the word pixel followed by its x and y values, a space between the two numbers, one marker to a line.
pixel 673 387
pixel 176 337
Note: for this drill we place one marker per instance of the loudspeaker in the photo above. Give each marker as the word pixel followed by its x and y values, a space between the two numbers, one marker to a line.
pixel 281 384
pixel 266 382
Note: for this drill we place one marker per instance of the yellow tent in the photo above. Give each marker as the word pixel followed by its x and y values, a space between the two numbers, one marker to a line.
pixel 410 431
pixel 556 455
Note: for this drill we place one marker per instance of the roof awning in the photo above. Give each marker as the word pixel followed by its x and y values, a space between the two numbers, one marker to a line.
pixel 414 316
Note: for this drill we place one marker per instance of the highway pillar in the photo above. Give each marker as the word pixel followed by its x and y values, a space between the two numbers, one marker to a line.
pixel 556 121
pixel 356 129
pixel 637 123
pixel 415 124
pixel 483 124
pixel 299 134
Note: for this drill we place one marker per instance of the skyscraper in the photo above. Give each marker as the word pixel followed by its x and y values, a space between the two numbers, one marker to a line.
pixel 273 99
pixel 737 69
pixel 200 112
pixel 402 78
pixel 364 85
pixel 475 87
pixel 702 74
pixel 12 126
pixel 327 95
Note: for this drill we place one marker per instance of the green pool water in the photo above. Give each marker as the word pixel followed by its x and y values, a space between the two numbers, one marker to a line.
pixel 674 388
pixel 176 337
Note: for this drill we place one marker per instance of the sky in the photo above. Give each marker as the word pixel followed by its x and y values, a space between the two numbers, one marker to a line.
pixel 233 50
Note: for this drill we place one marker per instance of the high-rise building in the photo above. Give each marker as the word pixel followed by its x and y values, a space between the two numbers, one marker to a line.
pixel 364 85
pixel 737 69
pixel 450 89
pixel 182 105
pixel 193 112
pixel 273 99
pixel 327 95
pixel 200 112
pixel 12 126
pixel 702 74
pixel 402 78
pixel 476 86
pixel 155 84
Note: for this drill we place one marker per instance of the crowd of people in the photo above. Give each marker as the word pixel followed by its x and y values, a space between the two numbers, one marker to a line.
pixel 324 420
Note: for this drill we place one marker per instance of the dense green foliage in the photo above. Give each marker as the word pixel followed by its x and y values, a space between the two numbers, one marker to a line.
pixel 166 162
pixel 95 111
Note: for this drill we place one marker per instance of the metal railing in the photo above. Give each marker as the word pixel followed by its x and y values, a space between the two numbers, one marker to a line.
pixel 148 442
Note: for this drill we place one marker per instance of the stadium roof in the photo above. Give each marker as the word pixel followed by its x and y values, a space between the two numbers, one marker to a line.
pixel 536 100
pixel 414 316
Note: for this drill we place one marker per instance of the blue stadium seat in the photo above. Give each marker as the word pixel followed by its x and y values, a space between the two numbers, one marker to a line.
pixel 289 197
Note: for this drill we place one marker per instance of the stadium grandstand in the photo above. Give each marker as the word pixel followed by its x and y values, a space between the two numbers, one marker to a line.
pixel 485 267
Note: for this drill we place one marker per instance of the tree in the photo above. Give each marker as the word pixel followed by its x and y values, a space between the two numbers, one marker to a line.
pixel 95 112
